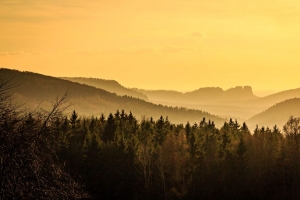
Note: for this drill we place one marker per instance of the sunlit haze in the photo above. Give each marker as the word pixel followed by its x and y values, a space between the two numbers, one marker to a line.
pixel 177 45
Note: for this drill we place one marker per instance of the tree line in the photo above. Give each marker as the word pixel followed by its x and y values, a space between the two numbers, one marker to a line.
pixel 48 155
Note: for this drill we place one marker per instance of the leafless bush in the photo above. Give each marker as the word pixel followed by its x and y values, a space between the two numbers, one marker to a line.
pixel 29 168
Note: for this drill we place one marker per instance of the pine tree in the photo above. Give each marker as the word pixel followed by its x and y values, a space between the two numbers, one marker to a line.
pixel 73 119
pixel 109 129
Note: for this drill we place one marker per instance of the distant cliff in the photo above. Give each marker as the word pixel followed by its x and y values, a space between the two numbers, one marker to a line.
pixel 216 94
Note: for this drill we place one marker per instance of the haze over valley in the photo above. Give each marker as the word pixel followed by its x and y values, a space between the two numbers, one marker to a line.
pixel 39 91
pixel 237 103
pixel 93 97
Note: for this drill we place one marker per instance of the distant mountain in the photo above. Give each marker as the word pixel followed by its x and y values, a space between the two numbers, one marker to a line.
pixel 224 103
pixel 208 95
pixel 108 85
pixel 40 90
pixel 239 103
pixel 212 99
pixel 277 114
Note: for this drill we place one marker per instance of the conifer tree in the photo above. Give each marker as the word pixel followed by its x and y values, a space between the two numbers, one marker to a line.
pixel 109 130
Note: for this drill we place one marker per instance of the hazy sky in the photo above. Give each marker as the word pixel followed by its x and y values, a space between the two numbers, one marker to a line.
pixel 156 44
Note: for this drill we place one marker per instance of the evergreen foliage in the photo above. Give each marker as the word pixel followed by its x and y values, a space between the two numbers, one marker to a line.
pixel 119 157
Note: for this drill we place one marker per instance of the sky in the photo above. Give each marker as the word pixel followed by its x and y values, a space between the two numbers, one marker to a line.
pixel 156 44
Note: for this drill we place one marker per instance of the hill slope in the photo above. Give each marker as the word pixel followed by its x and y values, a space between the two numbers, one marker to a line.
pixel 277 114
pixel 274 98
pixel 108 85
pixel 86 100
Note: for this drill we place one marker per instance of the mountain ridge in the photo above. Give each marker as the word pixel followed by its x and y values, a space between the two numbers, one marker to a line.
pixel 205 95
pixel 90 100
pixel 109 85
pixel 238 102
pixel 87 100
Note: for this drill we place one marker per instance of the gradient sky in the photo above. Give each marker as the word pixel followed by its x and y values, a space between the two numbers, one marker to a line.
pixel 156 44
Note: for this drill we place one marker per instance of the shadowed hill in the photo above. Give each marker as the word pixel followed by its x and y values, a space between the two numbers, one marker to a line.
pixel 87 100
pixel 108 85
pixel 277 114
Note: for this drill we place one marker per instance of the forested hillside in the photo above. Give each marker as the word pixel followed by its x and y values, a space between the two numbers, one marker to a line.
pixel 108 85
pixel 36 90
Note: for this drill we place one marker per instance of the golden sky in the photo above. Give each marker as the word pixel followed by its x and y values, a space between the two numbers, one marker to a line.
pixel 156 44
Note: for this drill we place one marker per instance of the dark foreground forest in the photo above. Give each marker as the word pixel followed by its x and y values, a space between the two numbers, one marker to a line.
pixel 48 155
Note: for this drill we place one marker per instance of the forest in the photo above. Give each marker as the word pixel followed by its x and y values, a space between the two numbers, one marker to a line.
pixel 51 155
